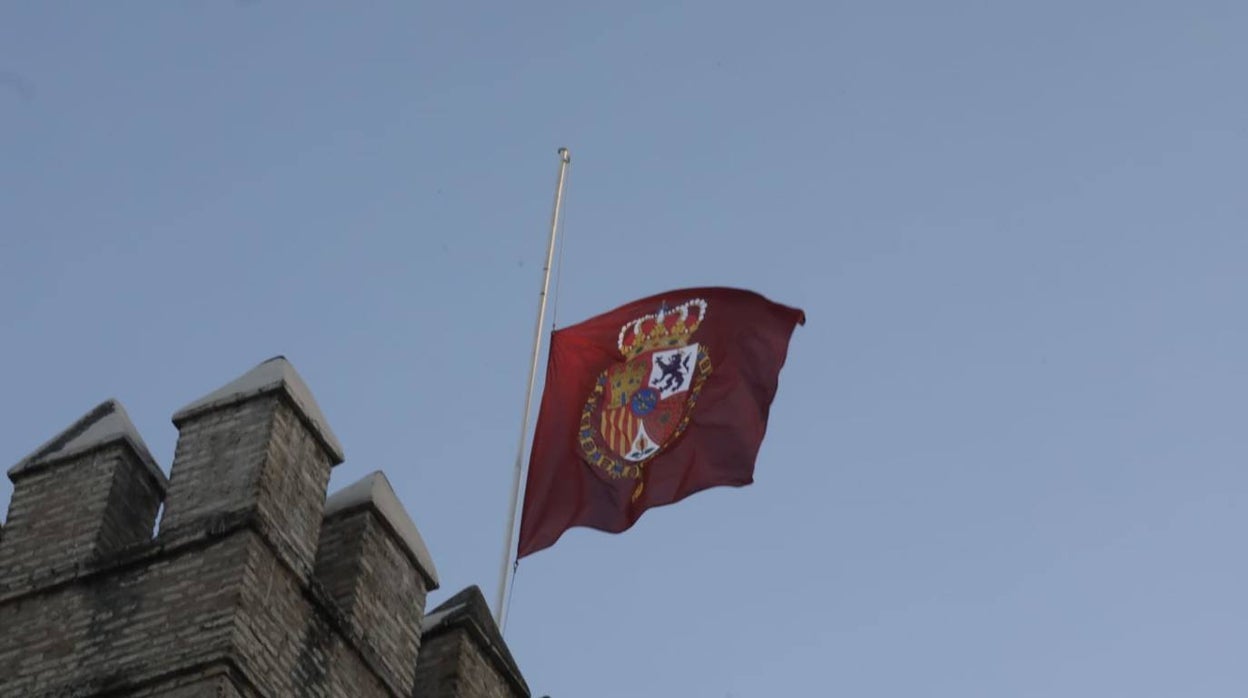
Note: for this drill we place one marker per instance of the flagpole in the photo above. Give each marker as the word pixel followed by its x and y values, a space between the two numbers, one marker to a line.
pixel 565 159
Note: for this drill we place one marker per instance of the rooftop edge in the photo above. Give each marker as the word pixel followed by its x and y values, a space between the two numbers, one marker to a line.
pixel 274 375
pixel 374 490
pixel 105 424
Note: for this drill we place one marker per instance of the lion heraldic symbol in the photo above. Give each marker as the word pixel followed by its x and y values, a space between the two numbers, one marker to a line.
pixel 641 406
pixel 673 370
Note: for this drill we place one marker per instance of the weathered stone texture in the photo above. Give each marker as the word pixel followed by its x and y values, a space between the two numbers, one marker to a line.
pixel 216 464
pixel 377 587
pixel 291 643
pixel 248 591
pixel 211 681
pixel 53 520
pixel 454 665
pixel 480 676
pixel 463 653
pixel 133 503
pixel 256 456
pixel 437 672
pixel 213 600
pixel 75 511
pixel 293 484
pixel 116 626
pixel 337 561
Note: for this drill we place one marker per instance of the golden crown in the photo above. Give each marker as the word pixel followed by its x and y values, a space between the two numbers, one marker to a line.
pixel 666 329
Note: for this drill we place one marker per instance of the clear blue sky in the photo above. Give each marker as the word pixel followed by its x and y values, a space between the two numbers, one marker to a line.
pixel 1008 454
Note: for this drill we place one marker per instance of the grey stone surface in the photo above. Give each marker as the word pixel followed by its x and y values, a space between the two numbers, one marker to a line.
pixel 272 376
pixel 107 423
pixel 376 586
pixel 374 491
pixel 251 459
pixel 75 511
pixel 463 653
pixel 248 591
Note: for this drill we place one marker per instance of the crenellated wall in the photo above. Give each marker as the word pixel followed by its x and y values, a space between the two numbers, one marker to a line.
pixel 464 655
pixel 90 492
pixel 256 584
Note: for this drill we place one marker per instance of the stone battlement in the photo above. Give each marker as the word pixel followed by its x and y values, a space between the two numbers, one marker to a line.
pixel 257 584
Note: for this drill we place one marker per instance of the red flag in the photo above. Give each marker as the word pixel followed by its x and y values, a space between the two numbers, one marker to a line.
pixel 649 403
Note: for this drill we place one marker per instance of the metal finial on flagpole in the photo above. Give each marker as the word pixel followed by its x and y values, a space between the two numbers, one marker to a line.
pixel 565 159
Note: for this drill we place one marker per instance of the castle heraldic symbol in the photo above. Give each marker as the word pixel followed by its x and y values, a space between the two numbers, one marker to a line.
pixel 641 405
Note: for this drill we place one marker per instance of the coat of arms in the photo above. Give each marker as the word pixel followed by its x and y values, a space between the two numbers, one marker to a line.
pixel 640 406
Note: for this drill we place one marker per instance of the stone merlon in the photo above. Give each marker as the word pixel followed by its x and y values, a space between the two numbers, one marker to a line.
pixel 257 584
pixel 374 491
pixel 90 492
pixel 108 423
pixel 273 375
pixel 464 653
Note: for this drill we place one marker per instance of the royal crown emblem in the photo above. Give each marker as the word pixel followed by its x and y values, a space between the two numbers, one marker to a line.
pixel 640 406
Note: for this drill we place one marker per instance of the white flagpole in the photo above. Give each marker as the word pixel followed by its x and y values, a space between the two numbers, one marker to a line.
pixel 565 159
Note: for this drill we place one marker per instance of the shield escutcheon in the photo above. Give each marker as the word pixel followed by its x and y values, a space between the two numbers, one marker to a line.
pixel 640 406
